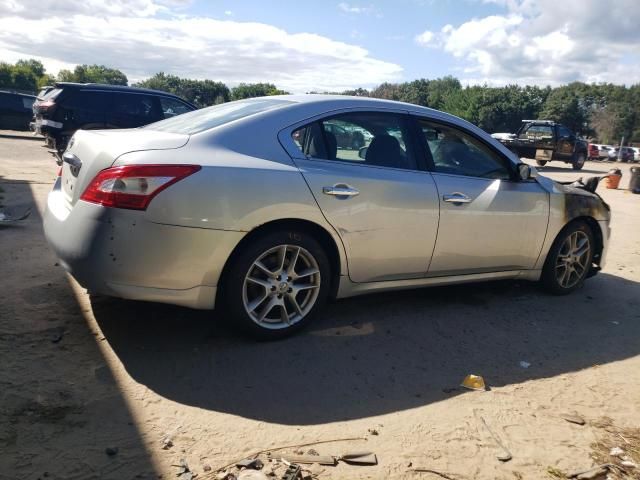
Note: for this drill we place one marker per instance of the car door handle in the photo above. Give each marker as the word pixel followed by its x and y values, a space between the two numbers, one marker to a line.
pixel 340 191
pixel 456 197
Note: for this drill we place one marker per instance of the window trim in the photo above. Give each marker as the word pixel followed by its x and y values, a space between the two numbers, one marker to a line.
pixel 428 159
pixel 286 140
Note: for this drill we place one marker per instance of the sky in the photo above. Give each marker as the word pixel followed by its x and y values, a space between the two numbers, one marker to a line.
pixel 331 45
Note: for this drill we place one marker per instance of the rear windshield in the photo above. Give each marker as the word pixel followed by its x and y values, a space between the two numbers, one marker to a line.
pixel 52 94
pixel 210 117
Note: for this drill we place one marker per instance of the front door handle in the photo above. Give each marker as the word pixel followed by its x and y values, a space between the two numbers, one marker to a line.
pixel 456 197
pixel 340 191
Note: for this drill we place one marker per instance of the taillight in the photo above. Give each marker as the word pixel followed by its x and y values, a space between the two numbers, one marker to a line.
pixel 134 186
pixel 46 106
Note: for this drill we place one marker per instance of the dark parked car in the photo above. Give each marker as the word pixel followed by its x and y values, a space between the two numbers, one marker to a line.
pixel 545 141
pixel 72 106
pixel 627 154
pixel 15 110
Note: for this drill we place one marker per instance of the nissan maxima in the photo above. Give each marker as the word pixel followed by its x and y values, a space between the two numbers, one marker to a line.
pixel 256 207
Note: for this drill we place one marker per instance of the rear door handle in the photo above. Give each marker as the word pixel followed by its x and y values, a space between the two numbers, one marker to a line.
pixel 456 197
pixel 340 191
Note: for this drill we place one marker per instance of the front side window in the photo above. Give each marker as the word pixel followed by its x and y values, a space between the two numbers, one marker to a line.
pixel 365 138
pixel 458 153
pixel 564 132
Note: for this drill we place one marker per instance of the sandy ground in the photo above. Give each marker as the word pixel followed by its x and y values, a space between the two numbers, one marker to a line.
pixel 79 375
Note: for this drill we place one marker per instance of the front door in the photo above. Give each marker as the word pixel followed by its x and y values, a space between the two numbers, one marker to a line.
pixel 367 185
pixel 489 222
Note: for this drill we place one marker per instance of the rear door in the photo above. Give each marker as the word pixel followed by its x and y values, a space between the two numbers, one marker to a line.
pixel 565 143
pixel 489 222
pixel 84 109
pixel 131 110
pixel 383 207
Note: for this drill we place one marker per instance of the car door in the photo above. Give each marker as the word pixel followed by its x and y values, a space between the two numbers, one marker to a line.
pixel 130 110
pixel 384 209
pixel 489 222
pixel 566 141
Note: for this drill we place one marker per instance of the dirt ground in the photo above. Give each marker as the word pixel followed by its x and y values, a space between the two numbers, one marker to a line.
pixel 94 387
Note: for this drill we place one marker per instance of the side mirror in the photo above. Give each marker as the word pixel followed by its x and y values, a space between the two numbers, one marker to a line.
pixel 524 171
pixel 362 153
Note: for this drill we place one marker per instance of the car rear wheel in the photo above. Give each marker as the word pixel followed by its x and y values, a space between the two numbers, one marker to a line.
pixel 277 284
pixel 541 163
pixel 578 161
pixel 569 260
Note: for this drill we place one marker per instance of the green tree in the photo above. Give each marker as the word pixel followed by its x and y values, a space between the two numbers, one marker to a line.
pixel 202 93
pixel 93 74
pixel 250 90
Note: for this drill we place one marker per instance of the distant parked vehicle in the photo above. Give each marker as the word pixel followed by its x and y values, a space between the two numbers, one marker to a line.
pixel 626 156
pixel 604 151
pixel 15 110
pixel 73 106
pixel 593 152
pixel 545 141
pixel 636 154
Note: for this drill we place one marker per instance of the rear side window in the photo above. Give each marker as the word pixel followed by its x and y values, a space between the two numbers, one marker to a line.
pixel 206 118
pixel 172 107
pixel 365 138
pixel 129 110
pixel 27 102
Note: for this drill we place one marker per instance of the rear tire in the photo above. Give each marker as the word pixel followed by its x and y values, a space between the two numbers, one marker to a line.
pixel 276 284
pixel 578 161
pixel 569 260
pixel 541 163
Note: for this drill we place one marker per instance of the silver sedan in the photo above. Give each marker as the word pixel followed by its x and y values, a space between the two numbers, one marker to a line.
pixel 258 206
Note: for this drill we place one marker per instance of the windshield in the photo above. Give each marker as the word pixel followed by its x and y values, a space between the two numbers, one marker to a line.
pixel 210 117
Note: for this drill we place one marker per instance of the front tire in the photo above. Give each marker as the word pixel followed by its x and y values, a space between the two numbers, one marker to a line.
pixel 569 260
pixel 276 284
pixel 578 161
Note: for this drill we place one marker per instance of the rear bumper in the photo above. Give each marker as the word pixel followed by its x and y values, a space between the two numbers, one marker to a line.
pixel 119 253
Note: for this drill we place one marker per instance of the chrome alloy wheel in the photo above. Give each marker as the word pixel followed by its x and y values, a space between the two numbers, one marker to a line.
pixel 573 258
pixel 281 287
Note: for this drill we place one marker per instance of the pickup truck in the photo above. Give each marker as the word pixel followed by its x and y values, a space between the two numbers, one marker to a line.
pixel 545 141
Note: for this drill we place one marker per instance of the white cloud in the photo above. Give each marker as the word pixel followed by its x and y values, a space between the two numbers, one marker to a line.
pixel 356 9
pixel 228 13
pixel 425 38
pixel 141 43
pixel 548 42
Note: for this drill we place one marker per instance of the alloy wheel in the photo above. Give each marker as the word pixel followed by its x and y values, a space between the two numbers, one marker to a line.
pixel 572 260
pixel 281 287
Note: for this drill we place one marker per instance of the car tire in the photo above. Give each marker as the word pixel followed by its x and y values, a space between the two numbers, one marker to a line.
pixel 578 161
pixel 260 283
pixel 566 268
pixel 541 163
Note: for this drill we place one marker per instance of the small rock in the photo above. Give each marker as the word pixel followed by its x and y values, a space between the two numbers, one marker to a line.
pixel 373 431
pixel 628 464
pixel 111 451
pixel 616 452
pixel 167 443
pixel 206 467
pixel 311 451
pixel 571 418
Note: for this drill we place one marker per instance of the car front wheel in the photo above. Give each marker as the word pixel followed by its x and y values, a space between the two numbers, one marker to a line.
pixel 569 260
pixel 277 284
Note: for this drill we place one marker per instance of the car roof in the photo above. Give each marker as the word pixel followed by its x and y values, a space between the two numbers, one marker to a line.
pixel 17 93
pixel 116 88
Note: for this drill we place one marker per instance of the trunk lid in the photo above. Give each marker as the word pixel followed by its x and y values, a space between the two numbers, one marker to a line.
pixel 94 150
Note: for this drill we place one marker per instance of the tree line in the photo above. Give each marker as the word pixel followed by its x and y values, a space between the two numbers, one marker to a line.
pixel 604 111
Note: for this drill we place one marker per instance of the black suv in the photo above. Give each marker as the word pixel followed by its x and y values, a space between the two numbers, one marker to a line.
pixel 72 106
pixel 15 110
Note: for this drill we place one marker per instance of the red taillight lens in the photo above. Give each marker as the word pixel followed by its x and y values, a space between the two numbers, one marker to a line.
pixel 45 106
pixel 134 186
